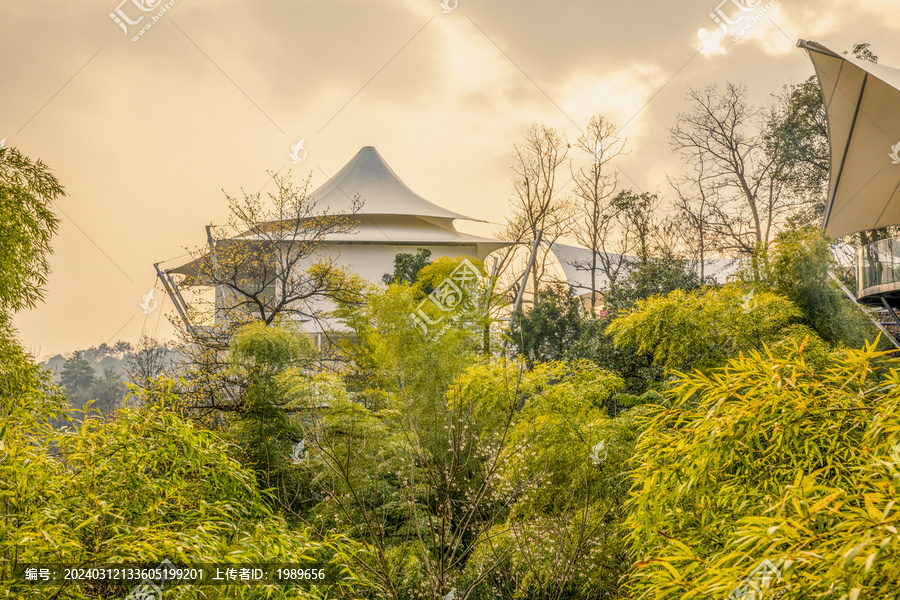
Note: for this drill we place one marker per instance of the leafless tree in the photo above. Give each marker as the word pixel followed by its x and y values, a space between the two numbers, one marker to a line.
pixel 632 231
pixel 724 138
pixel 694 205
pixel 148 361
pixel 263 266
pixel 595 187
pixel 536 203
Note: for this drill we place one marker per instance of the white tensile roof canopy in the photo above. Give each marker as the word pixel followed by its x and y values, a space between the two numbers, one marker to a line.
pixel 576 264
pixel 392 216
pixel 391 212
pixel 862 104
pixel 368 175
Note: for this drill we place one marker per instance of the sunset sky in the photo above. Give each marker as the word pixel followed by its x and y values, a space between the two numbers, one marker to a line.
pixel 145 135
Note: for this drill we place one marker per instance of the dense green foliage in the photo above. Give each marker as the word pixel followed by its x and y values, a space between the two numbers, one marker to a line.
pixel 651 277
pixel 404 474
pixel 559 327
pixel 702 329
pixel 798 126
pixel 27 190
pixel 562 478
pixel 551 329
pixel 771 458
pixel 488 489
pixel 407 266
pixel 464 473
pixel 268 362
pixel 662 447
pixel 796 266
pixel 142 487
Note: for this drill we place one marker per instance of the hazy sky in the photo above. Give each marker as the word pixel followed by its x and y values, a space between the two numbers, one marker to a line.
pixel 146 134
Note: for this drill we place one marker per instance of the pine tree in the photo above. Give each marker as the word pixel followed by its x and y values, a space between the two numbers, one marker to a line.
pixel 77 374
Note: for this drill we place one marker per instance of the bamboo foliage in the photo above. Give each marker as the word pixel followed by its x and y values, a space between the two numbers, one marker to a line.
pixel 703 328
pixel 776 458
pixel 143 487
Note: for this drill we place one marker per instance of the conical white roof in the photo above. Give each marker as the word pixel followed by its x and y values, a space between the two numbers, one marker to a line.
pixel 391 214
pixel 380 189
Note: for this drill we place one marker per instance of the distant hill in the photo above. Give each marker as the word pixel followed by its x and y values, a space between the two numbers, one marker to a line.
pixel 94 379
pixel 105 356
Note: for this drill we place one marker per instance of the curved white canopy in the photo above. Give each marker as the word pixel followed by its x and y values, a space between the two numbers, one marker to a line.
pixel 392 219
pixel 862 104
pixel 401 229
pixel 381 190
pixel 576 264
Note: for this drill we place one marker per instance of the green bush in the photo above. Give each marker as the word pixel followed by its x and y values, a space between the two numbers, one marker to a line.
pixel 771 458
pixel 142 487
pixel 703 328
pixel 561 482
pixel 560 328
pixel 796 266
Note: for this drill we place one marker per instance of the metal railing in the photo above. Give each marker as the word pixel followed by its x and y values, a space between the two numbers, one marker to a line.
pixel 877 265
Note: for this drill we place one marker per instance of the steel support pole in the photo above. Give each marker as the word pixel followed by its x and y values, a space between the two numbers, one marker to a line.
pixel 172 291
pixel 890 310
pixel 868 314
